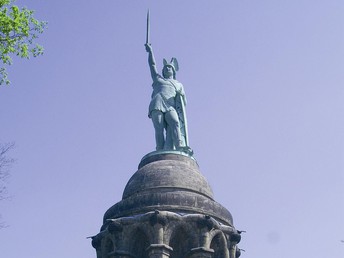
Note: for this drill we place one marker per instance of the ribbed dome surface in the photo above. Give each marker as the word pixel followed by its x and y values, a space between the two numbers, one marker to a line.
pixel 170 182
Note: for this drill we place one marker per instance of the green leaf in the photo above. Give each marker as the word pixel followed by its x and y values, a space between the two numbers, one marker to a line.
pixel 18 31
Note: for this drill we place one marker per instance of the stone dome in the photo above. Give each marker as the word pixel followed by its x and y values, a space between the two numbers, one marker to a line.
pixel 172 182
pixel 169 171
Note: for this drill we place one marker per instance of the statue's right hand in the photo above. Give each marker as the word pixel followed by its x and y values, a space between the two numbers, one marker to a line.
pixel 148 47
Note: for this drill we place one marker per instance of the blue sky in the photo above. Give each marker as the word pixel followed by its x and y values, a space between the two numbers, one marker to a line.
pixel 264 82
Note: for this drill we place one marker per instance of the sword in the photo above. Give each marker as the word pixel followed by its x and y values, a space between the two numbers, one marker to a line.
pixel 147 32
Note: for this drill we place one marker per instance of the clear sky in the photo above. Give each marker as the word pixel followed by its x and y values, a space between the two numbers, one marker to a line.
pixel 264 81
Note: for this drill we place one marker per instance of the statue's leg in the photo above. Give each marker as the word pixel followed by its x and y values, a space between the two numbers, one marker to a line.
pixel 172 120
pixel 169 139
pixel 159 125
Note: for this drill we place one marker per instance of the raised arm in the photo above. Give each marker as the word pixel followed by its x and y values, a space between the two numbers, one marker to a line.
pixel 151 61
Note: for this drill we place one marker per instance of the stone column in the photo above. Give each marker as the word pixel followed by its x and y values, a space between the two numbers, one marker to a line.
pixel 204 239
pixel 159 251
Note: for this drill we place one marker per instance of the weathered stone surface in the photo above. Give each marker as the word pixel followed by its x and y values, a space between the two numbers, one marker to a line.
pixel 168 171
pixel 168 182
pixel 170 235
pixel 167 211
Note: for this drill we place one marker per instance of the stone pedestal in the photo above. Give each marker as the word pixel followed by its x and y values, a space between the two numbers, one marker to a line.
pixel 167 211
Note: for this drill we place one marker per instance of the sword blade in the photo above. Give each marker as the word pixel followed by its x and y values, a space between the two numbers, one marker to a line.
pixel 148 28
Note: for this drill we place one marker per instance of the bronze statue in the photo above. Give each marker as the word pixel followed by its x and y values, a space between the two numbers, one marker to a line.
pixel 167 105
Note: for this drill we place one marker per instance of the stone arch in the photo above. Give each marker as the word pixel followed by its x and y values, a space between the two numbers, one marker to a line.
pixel 219 245
pixel 173 228
pixel 181 241
pixel 140 243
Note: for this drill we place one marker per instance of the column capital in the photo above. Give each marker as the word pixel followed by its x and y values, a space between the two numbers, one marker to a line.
pixel 201 252
pixel 159 251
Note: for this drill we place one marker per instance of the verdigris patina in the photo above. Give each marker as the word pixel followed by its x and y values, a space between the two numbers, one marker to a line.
pixel 167 105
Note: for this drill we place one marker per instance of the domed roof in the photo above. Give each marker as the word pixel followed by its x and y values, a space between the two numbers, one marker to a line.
pixel 168 171
pixel 168 181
